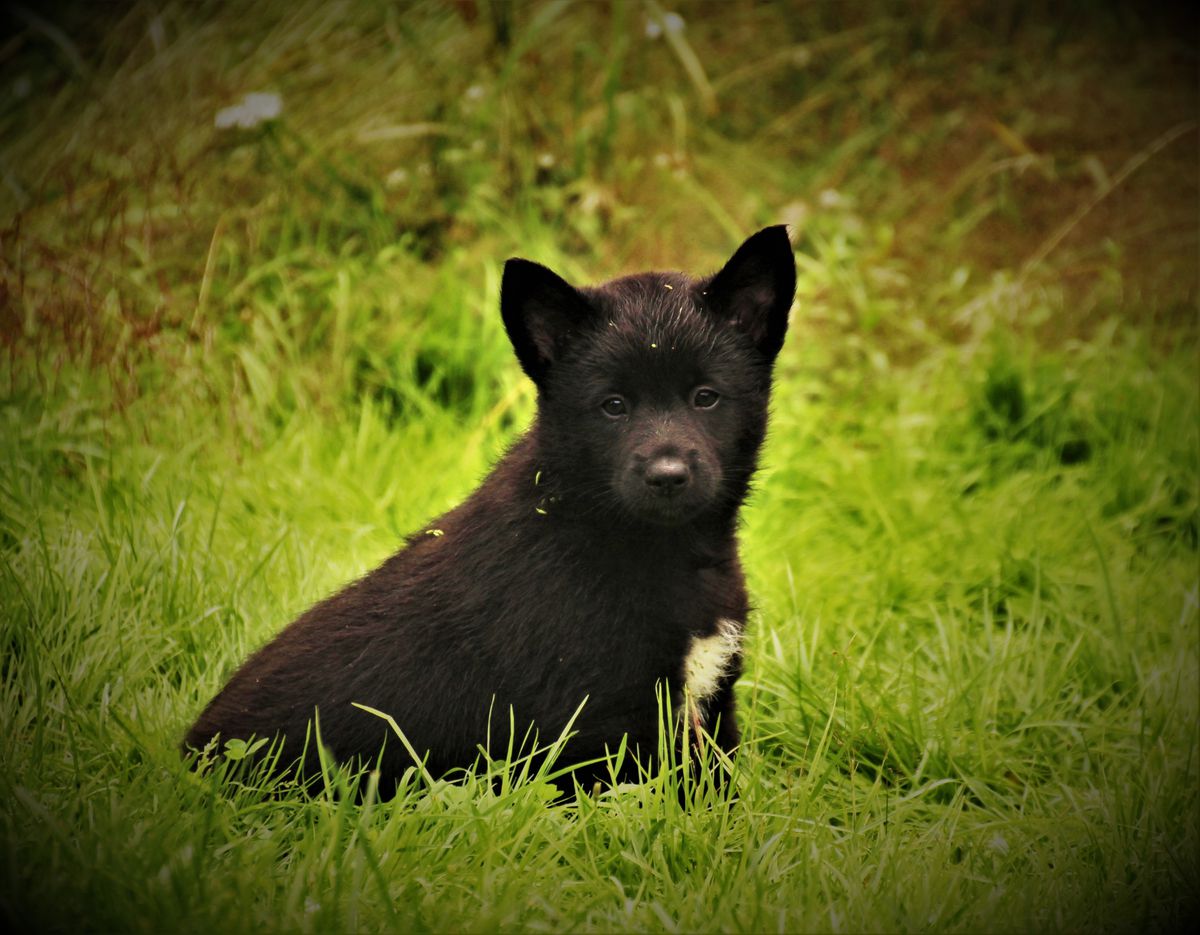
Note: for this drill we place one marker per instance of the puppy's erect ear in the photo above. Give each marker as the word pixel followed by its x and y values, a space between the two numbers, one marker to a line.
pixel 754 290
pixel 540 311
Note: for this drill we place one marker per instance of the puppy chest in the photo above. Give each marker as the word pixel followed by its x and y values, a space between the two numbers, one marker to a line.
pixel 710 658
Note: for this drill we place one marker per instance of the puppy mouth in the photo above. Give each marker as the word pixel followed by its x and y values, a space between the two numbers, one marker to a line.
pixel 665 508
pixel 663 515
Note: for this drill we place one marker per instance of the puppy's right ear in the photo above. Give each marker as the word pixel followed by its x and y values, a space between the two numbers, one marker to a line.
pixel 540 311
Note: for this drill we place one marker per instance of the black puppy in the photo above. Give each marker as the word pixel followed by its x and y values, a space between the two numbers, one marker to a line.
pixel 597 561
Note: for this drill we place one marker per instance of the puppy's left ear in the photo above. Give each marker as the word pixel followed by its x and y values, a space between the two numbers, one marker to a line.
pixel 754 290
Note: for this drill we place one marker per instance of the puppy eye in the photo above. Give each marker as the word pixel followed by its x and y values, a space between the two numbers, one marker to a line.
pixel 613 406
pixel 705 398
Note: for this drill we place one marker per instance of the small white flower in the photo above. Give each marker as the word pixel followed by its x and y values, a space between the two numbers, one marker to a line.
pixel 474 92
pixel 545 160
pixel 830 198
pixel 671 22
pixel 590 203
pixel 255 108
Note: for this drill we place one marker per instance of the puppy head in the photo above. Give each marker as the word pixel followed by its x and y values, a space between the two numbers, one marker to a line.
pixel 653 388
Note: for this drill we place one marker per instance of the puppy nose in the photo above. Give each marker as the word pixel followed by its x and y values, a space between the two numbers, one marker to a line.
pixel 667 474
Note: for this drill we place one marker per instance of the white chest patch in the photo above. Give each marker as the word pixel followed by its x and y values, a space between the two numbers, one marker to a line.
pixel 709 659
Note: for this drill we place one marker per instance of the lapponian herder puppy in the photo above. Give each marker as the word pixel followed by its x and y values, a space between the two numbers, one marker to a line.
pixel 598 560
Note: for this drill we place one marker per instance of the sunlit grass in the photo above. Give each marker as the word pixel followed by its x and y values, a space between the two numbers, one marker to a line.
pixel 241 366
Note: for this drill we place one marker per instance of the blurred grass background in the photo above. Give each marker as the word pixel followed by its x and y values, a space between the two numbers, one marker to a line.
pixel 239 364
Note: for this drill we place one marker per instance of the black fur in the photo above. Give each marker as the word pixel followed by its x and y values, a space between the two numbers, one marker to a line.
pixel 586 563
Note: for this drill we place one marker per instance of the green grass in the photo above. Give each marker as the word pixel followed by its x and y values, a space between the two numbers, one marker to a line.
pixel 239 366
